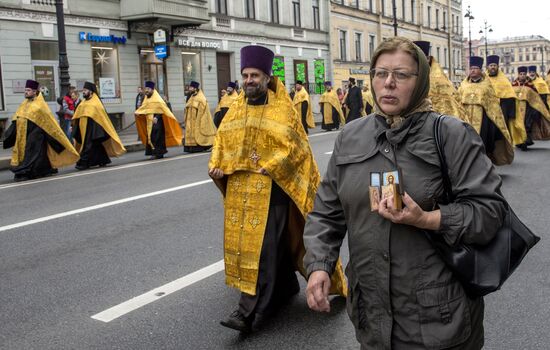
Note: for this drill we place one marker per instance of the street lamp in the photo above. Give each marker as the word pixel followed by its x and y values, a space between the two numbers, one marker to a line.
pixel 470 18
pixel 542 49
pixel 62 44
pixel 486 27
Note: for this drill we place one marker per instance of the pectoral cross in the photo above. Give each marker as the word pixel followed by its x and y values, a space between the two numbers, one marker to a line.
pixel 254 157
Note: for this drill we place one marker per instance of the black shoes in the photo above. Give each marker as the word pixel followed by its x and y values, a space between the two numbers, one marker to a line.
pixel 81 167
pixel 238 322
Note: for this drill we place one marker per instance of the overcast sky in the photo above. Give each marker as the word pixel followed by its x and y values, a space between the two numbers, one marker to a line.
pixel 508 18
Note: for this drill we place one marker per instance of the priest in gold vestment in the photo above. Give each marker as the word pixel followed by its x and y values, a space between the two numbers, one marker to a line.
pixel 368 100
pixel 483 108
pixel 95 137
pixel 262 163
pixel 199 125
pixel 157 126
pixel 225 102
pixel 508 100
pixel 331 109
pixel 39 144
pixel 444 97
pixel 302 103
pixel 540 85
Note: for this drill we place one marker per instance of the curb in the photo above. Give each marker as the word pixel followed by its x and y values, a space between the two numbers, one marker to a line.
pixel 131 147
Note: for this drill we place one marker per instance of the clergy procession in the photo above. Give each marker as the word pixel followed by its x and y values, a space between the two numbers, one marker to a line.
pixel 394 201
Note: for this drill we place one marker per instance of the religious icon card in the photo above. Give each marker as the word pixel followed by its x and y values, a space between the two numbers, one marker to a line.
pixel 390 188
pixel 374 191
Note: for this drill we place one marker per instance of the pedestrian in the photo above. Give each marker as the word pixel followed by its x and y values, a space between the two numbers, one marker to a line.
pixel 331 109
pixel 368 102
pixel 95 137
pixel 39 144
pixel 68 107
pixel 443 94
pixel 157 126
pixel 353 101
pixel 139 97
pixel 483 109
pixel 262 163
pixel 199 125
pixel 540 85
pixel 226 102
pixel 508 100
pixel 302 103
pixel 536 117
pixel 167 101
pixel 402 295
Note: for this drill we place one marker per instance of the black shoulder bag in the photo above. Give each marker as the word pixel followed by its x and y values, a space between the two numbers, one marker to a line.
pixel 482 269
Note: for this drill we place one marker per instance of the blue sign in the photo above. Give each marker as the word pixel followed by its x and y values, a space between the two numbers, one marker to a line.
pixel 161 51
pixel 102 39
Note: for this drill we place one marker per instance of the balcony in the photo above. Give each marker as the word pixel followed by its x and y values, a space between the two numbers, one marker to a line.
pixel 170 12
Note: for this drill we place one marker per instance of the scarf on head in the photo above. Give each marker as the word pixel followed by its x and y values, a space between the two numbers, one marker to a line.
pixel 419 100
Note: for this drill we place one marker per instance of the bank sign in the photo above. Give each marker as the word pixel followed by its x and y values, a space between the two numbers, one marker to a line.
pixel 101 38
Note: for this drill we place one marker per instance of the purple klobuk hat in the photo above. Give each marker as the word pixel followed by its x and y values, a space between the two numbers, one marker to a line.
pixel 424 46
pixel 327 83
pixel 522 69
pixel 232 85
pixel 31 84
pixel 194 84
pixel 476 61
pixel 532 68
pixel 493 59
pixel 150 84
pixel 259 57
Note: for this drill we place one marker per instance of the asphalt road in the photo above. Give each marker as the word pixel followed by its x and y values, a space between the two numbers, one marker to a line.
pixel 80 243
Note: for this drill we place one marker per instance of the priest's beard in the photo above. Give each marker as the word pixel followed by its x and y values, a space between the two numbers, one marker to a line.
pixel 254 91
pixel 491 74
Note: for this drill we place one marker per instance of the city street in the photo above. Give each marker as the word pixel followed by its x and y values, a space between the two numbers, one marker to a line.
pixel 77 247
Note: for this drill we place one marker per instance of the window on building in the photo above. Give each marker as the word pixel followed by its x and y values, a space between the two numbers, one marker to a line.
pixel 453 23
pixel 437 19
pixel 371 7
pixel 371 45
pixel 520 58
pixel 296 11
pixel 403 9
pixel 279 68
pixel 191 68
pixel 316 16
pixel 438 56
pixel 383 9
pixel 250 9
pixel 221 7
pixel 1 88
pixel 319 68
pixel 445 57
pixel 106 72
pixel 356 4
pixel 358 47
pixel 343 45
pixel 429 17
pixel 153 69
pixel 275 11
pixel 44 62
pixel 413 10
pixel 445 21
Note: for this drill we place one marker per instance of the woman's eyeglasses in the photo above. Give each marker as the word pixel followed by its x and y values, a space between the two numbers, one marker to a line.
pixel 398 75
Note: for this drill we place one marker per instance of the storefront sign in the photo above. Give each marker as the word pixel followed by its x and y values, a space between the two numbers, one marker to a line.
pixel 161 51
pixel 101 39
pixel 359 71
pixel 199 44
pixel 107 87
pixel 159 36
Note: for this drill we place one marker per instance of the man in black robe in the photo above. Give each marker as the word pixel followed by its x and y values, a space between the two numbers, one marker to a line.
pixel 353 101
pixel 30 159
pixel 92 153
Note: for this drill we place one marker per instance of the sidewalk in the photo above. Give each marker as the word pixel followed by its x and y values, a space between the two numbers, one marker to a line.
pixel 128 137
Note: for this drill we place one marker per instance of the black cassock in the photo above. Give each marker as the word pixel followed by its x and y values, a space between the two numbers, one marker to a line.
pixel 218 116
pixel 158 139
pixel 489 133
pixel 335 120
pixel 305 107
pixel 93 153
pixel 36 162
pixel 354 101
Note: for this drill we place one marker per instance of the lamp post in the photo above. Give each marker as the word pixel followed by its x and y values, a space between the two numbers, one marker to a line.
pixel 62 44
pixel 486 28
pixel 543 71
pixel 470 18
pixel 394 10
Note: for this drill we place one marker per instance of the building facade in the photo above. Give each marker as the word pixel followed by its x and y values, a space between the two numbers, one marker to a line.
pixel 117 45
pixel 531 50
pixel 357 27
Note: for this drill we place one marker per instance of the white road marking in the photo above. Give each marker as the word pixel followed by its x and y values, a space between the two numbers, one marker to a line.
pixel 101 170
pixel 158 293
pixel 100 206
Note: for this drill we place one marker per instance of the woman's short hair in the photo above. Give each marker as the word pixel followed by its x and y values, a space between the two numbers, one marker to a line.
pixel 395 44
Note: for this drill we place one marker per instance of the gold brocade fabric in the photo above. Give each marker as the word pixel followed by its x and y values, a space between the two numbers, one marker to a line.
pixel 275 133
pixel 144 121
pixel 367 98
pixel 93 108
pixel 303 96
pixel 503 89
pixel 547 79
pixel 38 112
pixel 477 98
pixel 541 86
pixel 199 125
pixel 541 130
pixel 328 100
pixel 443 95
pixel 226 101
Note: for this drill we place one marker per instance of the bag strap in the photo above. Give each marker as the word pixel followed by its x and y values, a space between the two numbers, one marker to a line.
pixel 447 186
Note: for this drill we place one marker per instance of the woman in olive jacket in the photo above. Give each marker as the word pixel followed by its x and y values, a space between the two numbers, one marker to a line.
pixel 401 294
